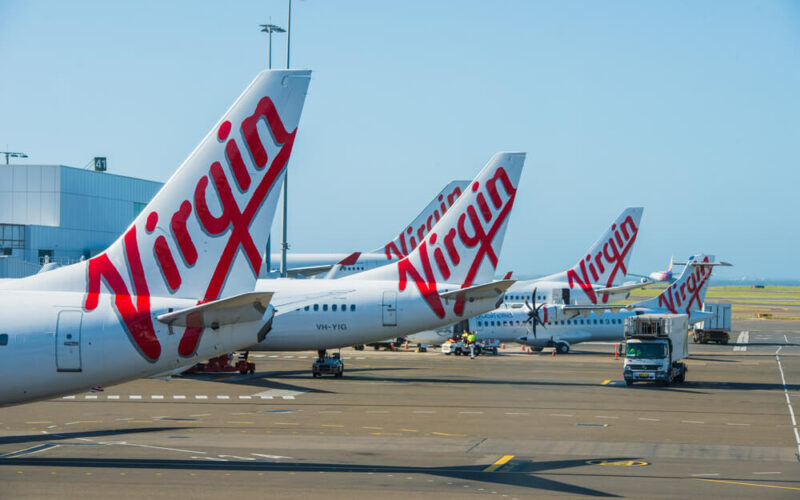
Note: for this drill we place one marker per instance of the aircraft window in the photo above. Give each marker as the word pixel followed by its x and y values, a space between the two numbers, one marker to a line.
pixel 324 307
pixel 3 339
pixel 595 322
pixel 316 307
pixel 606 321
pixel 581 321
pixel 344 307
pixel 562 322
pixel 307 308
pixel 505 323
pixel 333 307
pixel 480 323
pixel 352 307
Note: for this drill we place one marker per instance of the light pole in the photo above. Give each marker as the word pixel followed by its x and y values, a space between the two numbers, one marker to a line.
pixel 11 154
pixel 270 29
pixel 285 243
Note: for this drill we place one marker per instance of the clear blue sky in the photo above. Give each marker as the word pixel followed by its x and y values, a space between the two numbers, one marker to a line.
pixel 690 109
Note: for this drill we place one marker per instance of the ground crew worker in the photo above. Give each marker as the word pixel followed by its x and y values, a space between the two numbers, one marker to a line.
pixel 471 339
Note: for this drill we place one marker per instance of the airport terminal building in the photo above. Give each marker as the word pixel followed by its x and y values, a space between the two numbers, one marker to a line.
pixel 60 214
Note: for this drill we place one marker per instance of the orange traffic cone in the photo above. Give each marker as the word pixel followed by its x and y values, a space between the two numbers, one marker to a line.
pixel 554 352
pixel 616 351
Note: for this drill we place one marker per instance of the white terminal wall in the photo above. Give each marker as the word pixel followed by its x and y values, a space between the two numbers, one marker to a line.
pixel 68 210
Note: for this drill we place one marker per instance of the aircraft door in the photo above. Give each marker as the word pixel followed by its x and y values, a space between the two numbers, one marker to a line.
pixel 461 327
pixel 389 308
pixel 68 341
pixel 565 295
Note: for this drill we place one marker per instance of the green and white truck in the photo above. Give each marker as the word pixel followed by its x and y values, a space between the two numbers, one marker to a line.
pixel 655 344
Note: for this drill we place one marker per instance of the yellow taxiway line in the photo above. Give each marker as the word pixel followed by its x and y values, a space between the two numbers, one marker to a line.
pixel 499 463
pixel 746 484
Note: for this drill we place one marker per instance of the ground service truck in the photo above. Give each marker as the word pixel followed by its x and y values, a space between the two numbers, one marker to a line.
pixel 655 344
pixel 717 328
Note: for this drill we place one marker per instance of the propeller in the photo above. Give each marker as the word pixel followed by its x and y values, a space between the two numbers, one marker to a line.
pixel 533 313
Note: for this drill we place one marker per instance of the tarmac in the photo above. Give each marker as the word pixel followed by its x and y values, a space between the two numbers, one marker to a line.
pixel 419 425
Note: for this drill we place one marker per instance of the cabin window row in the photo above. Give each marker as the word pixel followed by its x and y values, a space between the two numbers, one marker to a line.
pixel 333 307
pixel 523 297
pixel 607 321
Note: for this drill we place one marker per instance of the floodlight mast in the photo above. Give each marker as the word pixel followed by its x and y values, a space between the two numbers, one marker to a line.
pixel 270 29
pixel 12 154
pixel 285 243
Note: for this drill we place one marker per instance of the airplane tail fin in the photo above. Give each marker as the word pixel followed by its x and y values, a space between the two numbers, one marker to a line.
pixel 688 292
pixel 415 232
pixel 608 258
pixel 463 247
pixel 203 234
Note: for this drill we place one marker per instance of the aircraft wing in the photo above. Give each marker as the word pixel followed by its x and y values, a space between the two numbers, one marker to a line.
pixel 294 272
pixel 330 269
pixel 242 308
pixel 485 291
pixel 622 288
pixel 572 311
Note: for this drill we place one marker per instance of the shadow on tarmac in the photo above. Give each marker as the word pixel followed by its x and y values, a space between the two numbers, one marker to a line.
pixel 518 475
pixel 38 438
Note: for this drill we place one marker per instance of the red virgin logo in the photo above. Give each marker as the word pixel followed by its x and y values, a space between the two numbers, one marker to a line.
pixel 476 228
pixel 611 255
pixel 686 292
pixel 133 306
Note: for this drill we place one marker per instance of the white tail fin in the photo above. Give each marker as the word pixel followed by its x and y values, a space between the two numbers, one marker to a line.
pixel 463 247
pixel 608 258
pixel 201 237
pixel 202 234
pixel 407 239
pixel 688 292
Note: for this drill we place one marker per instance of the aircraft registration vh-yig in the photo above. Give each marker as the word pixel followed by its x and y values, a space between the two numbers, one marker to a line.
pixel 178 285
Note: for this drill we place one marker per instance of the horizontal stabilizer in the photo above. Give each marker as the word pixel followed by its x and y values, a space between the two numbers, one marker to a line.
pixel 706 264
pixel 242 308
pixel 489 290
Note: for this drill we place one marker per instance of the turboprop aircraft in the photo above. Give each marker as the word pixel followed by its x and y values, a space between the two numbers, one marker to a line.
pixel 561 326
pixel 590 281
pixel 333 265
pixel 448 276
pixel 177 286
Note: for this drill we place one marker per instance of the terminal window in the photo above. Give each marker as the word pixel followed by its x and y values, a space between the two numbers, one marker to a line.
pixel 12 236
